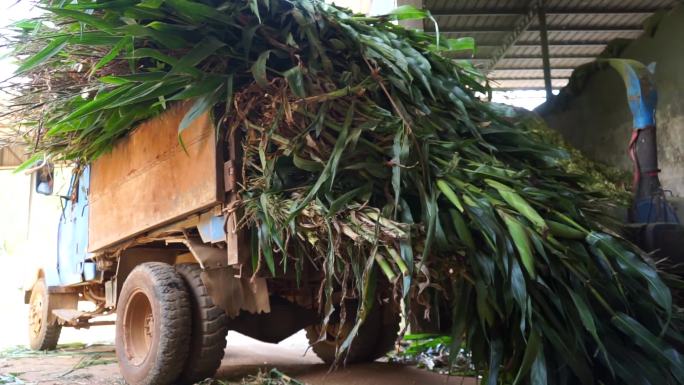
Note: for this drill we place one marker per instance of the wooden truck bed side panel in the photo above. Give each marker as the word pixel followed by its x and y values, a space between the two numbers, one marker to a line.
pixel 148 180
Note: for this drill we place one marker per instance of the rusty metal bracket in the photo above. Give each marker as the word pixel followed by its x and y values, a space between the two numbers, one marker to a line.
pixel 230 292
pixel 78 319
pixel 209 257
pixel 229 178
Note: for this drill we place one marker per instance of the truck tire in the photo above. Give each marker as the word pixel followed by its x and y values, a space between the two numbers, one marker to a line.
pixel 209 329
pixel 152 325
pixel 43 328
pixel 375 337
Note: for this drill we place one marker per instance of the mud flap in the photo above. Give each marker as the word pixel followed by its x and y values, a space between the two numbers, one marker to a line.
pixel 233 294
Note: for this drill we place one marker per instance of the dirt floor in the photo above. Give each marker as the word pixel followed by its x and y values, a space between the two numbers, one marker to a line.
pixel 96 365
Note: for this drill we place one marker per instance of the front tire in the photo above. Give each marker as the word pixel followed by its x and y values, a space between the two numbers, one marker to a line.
pixel 209 329
pixel 44 330
pixel 152 325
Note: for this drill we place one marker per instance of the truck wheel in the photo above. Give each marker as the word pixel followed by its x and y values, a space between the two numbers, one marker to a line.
pixel 43 328
pixel 152 325
pixel 209 329
pixel 376 335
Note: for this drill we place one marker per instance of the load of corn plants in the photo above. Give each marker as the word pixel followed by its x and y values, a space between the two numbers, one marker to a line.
pixel 368 151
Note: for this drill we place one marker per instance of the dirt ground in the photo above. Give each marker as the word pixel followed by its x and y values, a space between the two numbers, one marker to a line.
pixel 96 365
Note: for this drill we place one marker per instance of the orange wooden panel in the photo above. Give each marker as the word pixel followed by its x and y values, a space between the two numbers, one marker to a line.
pixel 148 180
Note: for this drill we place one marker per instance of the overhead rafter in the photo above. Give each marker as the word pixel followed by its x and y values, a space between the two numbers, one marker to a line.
pixel 521 78
pixel 576 32
pixel 592 44
pixel 557 28
pixel 535 68
pixel 550 12
pixel 536 57
pixel 521 25
pixel 558 43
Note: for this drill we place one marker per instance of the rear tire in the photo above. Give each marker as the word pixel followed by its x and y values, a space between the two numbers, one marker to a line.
pixel 44 330
pixel 209 329
pixel 375 338
pixel 152 325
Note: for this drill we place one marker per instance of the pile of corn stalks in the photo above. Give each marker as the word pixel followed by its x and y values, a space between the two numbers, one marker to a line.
pixel 367 151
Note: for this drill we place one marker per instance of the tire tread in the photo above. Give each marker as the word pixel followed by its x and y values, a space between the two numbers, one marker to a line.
pixel 210 327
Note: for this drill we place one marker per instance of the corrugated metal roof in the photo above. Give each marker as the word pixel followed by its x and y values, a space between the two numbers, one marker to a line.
pixel 578 31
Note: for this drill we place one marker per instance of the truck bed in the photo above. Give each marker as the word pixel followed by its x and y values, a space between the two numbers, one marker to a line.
pixel 149 180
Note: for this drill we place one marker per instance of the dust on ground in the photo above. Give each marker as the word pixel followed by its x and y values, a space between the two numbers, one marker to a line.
pixel 244 357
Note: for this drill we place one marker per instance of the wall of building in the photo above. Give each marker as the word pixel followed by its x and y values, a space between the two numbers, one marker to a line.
pixel 595 117
pixel 28 225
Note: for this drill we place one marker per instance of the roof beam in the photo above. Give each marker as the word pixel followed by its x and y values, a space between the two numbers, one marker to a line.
pixel 543 34
pixel 552 56
pixel 550 12
pixel 521 78
pixel 534 68
pixel 523 22
pixel 524 88
pixel 557 28
pixel 556 43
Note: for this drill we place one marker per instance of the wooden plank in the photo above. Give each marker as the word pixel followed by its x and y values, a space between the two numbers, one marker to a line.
pixel 148 180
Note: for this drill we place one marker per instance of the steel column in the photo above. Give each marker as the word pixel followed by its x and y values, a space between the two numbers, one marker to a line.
pixel 543 34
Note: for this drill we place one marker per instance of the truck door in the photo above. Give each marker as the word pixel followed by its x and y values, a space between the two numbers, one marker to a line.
pixel 72 235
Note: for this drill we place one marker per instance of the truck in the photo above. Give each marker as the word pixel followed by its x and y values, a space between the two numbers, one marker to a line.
pixel 151 232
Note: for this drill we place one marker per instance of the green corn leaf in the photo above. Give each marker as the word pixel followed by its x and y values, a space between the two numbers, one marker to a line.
pixel 205 48
pixel 203 87
pixel 407 12
pixel 401 264
pixel 30 162
pixel 306 164
pixel 142 92
pixel 342 201
pixel 296 81
pixel 259 69
pixel 461 44
pixel 112 4
pixel 539 374
pixel 153 4
pixel 657 288
pixel 41 57
pixel 101 101
pixel 651 343
pixel 266 249
pixel 254 7
pixel 443 186
pixel 112 54
pixel 522 242
pixel 198 12
pixel 534 345
pixel 520 204
pixel 495 358
pixel 85 18
pixel 462 230
pixel 201 105
pixel 562 231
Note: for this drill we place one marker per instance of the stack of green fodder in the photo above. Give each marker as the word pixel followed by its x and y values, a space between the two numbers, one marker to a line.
pixel 367 150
